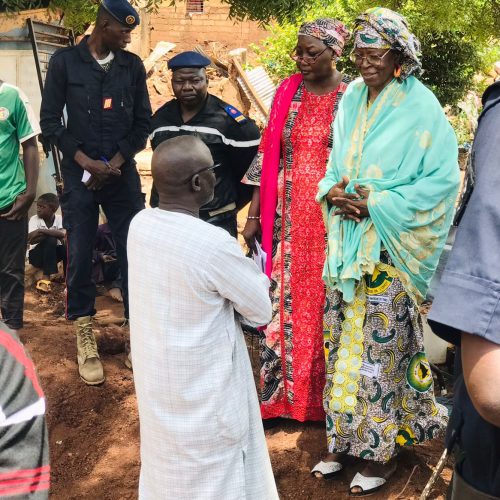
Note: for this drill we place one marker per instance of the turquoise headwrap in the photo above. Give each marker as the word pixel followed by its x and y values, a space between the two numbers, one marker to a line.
pixel 381 28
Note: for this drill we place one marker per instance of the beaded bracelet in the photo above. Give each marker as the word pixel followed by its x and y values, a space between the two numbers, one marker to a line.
pixel 253 217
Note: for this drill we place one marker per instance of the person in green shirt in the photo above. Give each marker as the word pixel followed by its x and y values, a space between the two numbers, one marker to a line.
pixel 18 178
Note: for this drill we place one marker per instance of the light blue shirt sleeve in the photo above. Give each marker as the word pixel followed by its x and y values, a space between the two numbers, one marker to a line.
pixel 468 298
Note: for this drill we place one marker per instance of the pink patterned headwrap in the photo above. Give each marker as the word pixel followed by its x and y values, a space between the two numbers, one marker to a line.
pixel 331 32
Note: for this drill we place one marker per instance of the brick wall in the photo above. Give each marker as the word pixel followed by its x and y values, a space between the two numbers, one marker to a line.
pixel 175 24
pixel 10 22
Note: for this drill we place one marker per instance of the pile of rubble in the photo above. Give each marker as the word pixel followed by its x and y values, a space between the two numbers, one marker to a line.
pixel 249 90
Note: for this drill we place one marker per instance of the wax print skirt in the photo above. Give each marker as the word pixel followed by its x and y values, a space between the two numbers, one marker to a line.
pixel 379 393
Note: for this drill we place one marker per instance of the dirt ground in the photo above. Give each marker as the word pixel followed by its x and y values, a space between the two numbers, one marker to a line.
pixel 94 431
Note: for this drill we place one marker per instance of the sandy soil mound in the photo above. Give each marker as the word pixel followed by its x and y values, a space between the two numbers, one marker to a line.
pixel 94 431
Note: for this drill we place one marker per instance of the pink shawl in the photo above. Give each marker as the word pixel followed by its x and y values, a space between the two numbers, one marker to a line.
pixel 271 149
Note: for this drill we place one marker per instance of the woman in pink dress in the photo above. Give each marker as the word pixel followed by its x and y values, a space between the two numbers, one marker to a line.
pixel 283 214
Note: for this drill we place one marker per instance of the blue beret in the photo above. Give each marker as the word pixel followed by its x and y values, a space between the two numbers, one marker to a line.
pixel 123 12
pixel 189 59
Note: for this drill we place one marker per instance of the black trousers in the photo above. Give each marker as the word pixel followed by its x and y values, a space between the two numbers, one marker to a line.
pixel 107 273
pixel 112 274
pixel 47 254
pixel 13 240
pixel 478 447
pixel 227 222
pixel 121 200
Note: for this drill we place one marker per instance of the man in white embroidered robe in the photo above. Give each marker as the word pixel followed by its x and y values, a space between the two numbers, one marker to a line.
pixel 190 286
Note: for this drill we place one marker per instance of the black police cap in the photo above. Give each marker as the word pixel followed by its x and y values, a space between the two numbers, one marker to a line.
pixel 189 59
pixel 123 12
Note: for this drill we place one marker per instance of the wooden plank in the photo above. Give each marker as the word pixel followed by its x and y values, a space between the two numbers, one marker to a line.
pixel 215 63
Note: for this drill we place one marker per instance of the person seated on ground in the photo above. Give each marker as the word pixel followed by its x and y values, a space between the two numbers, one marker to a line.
pixel 46 238
pixel 24 446
pixel 190 285
pixel 106 269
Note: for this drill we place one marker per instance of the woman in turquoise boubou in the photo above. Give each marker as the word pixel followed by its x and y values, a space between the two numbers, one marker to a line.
pixel 387 197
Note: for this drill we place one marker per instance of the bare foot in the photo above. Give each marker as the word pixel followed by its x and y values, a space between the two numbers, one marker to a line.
pixel 115 294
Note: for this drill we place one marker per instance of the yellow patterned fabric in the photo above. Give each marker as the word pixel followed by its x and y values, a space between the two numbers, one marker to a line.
pixel 379 393
pixel 346 369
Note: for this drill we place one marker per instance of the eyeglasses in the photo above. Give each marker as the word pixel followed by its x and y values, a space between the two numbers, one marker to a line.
pixel 306 59
pixel 211 168
pixel 371 59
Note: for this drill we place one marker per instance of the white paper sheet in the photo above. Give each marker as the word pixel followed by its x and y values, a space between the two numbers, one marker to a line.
pixel 85 176
pixel 259 257
pixel 370 370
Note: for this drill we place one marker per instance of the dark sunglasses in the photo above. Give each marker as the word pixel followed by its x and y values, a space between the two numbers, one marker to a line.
pixel 211 168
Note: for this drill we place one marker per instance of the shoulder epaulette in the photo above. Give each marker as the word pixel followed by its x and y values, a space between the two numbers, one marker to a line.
pixel 235 114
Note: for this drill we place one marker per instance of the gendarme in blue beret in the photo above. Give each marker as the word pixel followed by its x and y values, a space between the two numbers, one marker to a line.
pixel 123 12
pixel 189 59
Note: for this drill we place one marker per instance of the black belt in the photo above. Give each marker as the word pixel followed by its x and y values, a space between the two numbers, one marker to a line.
pixel 4 210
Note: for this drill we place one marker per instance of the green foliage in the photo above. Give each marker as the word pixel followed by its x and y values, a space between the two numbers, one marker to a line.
pixel 274 51
pixel 450 62
pixel 12 6
pixel 489 55
pixel 452 15
pixel 463 118
pixel 77 14
pixel 268 10
pixel 460 124
pixel 456 37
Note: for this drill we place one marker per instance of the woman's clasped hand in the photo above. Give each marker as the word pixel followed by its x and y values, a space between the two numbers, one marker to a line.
pixel 352 206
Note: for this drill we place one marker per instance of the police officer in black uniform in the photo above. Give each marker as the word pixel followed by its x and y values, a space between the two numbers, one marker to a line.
pixel 108 118
pixel 232 138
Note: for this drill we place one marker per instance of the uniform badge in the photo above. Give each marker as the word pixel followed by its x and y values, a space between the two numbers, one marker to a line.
pixel 236 115
pixel 107 103
pixel 130 19
pixel 4 114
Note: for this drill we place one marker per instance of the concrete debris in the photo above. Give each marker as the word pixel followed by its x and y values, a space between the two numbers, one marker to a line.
pixel 161 49
pixel 249 90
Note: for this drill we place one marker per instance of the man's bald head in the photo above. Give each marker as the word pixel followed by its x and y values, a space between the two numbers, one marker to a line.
pixel 175 167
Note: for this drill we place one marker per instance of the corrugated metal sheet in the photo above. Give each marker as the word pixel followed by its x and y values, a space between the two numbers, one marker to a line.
pixel 264 87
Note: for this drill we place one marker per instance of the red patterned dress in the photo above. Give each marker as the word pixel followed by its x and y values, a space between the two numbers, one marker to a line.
pixel 292 355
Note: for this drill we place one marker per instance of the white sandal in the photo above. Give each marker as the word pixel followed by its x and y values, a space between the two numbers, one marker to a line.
pixel 326 470
pixel 368 485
